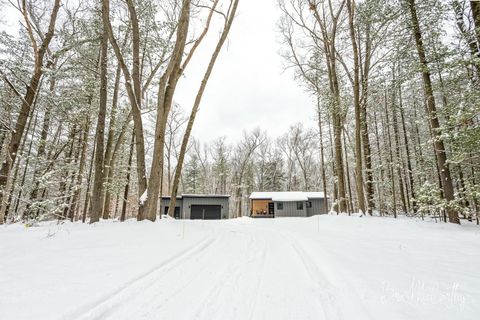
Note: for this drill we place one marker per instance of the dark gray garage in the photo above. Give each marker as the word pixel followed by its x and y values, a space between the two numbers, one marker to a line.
pixel 206 212
pixel 198 206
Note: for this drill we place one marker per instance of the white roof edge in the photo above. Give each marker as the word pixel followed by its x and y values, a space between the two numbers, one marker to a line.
pixel 287 196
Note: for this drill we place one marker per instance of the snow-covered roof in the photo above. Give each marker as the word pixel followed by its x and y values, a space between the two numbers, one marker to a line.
pixel 191 195
pixel 179 197
pixel 287 196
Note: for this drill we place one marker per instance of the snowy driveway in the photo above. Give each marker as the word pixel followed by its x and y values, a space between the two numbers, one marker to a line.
pixel 317 268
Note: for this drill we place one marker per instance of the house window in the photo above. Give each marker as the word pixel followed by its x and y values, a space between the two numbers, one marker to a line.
pixel 279 205
pixel 309 204
pixel 299 205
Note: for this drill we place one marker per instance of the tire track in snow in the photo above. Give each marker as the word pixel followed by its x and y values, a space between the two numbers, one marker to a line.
pixel 99 308
pixel 230 271
pixel 263 257
pixel 232 283
pixel 191 275
pixel 183 280
pixel 347 291
pixel 323 289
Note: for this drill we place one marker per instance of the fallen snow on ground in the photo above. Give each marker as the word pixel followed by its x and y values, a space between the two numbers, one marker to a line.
pixel 326 267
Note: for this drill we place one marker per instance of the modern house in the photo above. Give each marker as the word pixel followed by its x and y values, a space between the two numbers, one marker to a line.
pixel 198 206
pixel 287 204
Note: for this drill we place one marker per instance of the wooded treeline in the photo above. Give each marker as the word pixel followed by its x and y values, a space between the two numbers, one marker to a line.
pixel 397 90
pixel 90 128
pixel 79 82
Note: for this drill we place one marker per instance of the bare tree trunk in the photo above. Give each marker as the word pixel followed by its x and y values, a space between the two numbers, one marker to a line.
pixel 407 150
pixel 380 160
pixel 89 178
pixel 419 154
pixel 42 143
pixel 127 186
pixel 25 169
pixel 132 89
pixel 334 170
pixel 109 161
pixel 74 186
pixel 73 211
pixel 369 190
pixel 66 196
pixel 329 44
pixel 391 164
pixel 167 86
pixel 350 207
pixel 433 118
pixel 399 162
pixel 111 170
pixel 98 180
pixel 322 156
pixel 357 108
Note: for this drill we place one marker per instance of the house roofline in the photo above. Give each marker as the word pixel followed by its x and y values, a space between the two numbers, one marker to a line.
pixel 226 196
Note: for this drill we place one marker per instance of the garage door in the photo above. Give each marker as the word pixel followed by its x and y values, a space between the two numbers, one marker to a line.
pixel 207 212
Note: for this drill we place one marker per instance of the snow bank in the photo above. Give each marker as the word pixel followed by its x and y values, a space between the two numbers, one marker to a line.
pixel 327 267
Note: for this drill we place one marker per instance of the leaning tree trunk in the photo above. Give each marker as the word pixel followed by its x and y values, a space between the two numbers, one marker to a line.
pixel 198 99
pixel 167 86
pixel 440 151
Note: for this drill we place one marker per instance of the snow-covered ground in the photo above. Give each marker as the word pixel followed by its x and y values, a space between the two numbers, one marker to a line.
pixel 326 267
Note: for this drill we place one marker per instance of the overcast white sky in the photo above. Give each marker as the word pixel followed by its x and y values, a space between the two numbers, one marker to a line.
pixel 248 87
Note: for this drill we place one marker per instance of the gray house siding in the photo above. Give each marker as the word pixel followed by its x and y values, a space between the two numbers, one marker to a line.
pixel 290 210
pixel 166 203
pixel 313 204
pixel 318 207
pixel 189 201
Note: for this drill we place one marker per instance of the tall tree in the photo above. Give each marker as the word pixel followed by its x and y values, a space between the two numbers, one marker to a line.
pixel 96 209
pixel 39 51
pixel 440 151
pixel 357 107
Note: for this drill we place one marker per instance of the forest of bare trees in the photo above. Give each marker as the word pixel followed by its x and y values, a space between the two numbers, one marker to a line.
pixel 90 127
